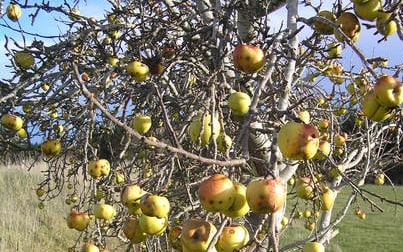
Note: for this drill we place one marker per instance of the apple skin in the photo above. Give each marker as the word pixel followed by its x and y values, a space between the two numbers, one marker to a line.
pixel 304 116
pixel 239 103
pixel 138 70
pixel 248 58
pixel 385 28
pixel 304 188
pixel 224 142
pixel 373 110
pixel 380 179
pixel 98 168
pixel 13 12
pixel 104 211
pixel 324 150
pixel 368 10
pixel 339 140
pixel 154 205
pixel 12 122
pixel 195 128
pixel 142 124
pixel 90 247
pixel 240 206
pixel 323 28
pixel 131 196
pixel 196 235
pixel 350 25
pixel 266 195
pixel 313 247
pixel 232 238
pixel 327 197
pixel 388 91
pixel 298 141
pixel 78 220
pixel 334 50
pixel 152 225
pixel 132 231
pixel 24 60
pixel 216 193
pixel 51 147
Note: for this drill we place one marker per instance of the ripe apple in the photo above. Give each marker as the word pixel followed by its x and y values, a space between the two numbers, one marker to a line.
pixel 138 70
pixel 298 141
pixel 104 211
pixel 304 188
pixel 323 124
pixel 373 110
pixel 153 225
pixel 142 123
pixel 340 139
pixel 384 25
pixel 11 122
pixel 216 193
pixel 119 177
pixel 323 150
pixel 24 59
pixel 232 238
pixel 239 103
pixel 266 195
pixel 174 237
pixel 224 142
pixel 313 247
pixel 360 213
pixel 388 91
pixel 323 28
pixel 90 247
pixel 380 179
pixel 154 205
pixel 200 127
pixel 350 25
pixel 98 168
pixel 240 206
pixel 132 231
pixel 307 213
pixel 51 147
pixel 197 234
pixel 13 12
pixel 334 50
pixel 327 197
pixel 112 61
pixel 78 220
pixel 304 116
pixel 131 195
pixel 368 10
pixel 248 58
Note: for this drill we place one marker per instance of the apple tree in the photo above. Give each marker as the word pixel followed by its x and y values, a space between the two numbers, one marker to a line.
pixel 176 124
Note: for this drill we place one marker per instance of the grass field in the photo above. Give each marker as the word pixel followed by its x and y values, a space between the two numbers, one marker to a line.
pixel 24 227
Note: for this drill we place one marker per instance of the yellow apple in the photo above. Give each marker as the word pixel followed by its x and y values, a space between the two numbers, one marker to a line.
pixel 232 238
pixel 265 195
pixel 132 231
pixel 90 247
pixel 340 139
pixel 240 206
pixel 131 196
pixel 113 61
pixel 11 122
pixel 154 205
pixel 248 58
pixel 138 70
pixel 239 103
pixel 13 12
pixel 224 142
pixel 334 50
pixel 197 234
pixel 153 225
pixel 200 127
pixel 313 247
pixel 78 220
pixel 388 91
pixel 174 237
pixel 304 116
pixel 384 25
pixel 119 177
pixel 327 197
pixel 74 14
pixel 51 147
pixel 307 213
pixel 310 225
pixel 298 141
pixel 24 59
pixel 373 110
pixel 304 188
pixel 323 124
pixel 323 150
pixel 98 168
pixel 40 192
pixel 323 28
pixel 104 211
pixel 367 10
pixel 380 179
pixel 142 123
pixel 350 25
pixel 216 193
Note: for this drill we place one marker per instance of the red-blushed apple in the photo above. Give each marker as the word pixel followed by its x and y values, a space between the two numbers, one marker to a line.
pixel 51 148
pixel 155 205
pixel 138 70
pixel 197 234
pixel 388 91
pixel 373 110
pixel 78 220
pixel 132 231
pixel 104 211
pixel 313 247
pixel 327 197
pixel 98 168
pixel 239 103
pixel 266 195
pixel 204 127
pixel 322 27
pixel 12 122
pixel 240 206
pixel 304 188
pixel 323 150
pixel 298 141
pixel 216 193
pixel 142 123
pixel 174 237
pixel 232 237
pixel 248 58
pixel 153 225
